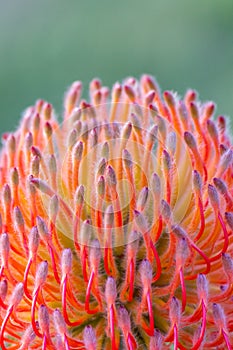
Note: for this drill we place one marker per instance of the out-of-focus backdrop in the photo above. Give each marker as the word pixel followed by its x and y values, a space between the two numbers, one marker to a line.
pixel 46 44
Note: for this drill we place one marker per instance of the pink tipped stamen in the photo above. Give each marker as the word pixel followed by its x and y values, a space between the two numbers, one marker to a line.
pixel 150 311
pixel 109 262
pixel 33 211
pixel 118 213
pixel 200 164
pixel 54 265
pixel 203 327
pixel 158 262
pixel 226 339
pixel 88 294
pixel 52 228
pixel 98 216
pixel 3 327
pixel 112 327
pixel 129 284
pixel 171 250
pixel 45 343
pixel 183 288
pixel 67 347
pixel 175 337
pixel 64 306
pixel 205 173
pixel 202 217
pixel 168 194
pixel 25 244
pixel 205 156
pixel 84 260
pixel 133 193
pixel 226 239
pixel 33 310
pixel 106 261
pixel 28 295
pixel 159 230
pixel 131 343
pixel 131 279
pixel 77 227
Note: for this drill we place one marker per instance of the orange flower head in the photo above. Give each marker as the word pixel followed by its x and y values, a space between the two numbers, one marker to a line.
pixel 116 225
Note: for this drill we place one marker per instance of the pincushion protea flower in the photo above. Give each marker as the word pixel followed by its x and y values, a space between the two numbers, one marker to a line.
pixel 116 226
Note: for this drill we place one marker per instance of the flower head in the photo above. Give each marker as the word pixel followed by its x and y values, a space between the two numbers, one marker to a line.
pixel 116 226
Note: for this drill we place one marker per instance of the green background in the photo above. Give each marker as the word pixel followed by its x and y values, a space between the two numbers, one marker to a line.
pixel 46 44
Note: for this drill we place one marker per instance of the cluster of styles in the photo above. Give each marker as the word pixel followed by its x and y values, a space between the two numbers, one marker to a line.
pixel 116 226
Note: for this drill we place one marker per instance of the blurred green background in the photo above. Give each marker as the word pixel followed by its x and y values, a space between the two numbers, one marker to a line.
pixel 46 44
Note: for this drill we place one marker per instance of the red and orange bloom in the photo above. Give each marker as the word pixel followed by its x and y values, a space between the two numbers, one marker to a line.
pixel 116 226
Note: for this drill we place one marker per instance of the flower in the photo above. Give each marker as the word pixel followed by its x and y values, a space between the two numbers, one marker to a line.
pixel 116 226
